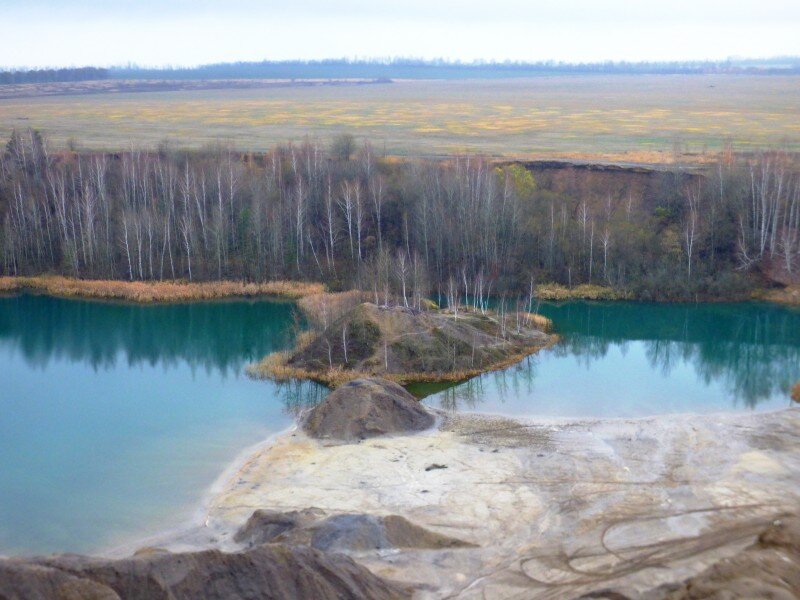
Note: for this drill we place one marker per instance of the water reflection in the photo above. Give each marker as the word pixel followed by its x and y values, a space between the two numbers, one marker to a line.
pixel 115 418
pixel 297 395
pixel 219 337
pixel 656 358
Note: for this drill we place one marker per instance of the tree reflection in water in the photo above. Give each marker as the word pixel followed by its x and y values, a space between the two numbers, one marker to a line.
pixel 298 396
pixel 751 350
pixel 216 336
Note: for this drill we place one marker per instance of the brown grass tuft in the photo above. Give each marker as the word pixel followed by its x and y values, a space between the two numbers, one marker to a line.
pixel 557 292
pixel 788 295
pixel 157 291
pixel 322 309
pixel 9 284
pixel 540 321
pixel 276 366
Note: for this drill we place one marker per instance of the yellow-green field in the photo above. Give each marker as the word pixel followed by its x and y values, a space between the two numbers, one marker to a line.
pixel 638 118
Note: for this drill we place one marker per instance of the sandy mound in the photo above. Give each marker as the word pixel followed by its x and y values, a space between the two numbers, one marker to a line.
pixel 265 526
pixel 341 533
pixel 366 408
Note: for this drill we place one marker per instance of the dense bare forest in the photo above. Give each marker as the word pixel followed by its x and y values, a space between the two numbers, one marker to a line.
pixel 343 215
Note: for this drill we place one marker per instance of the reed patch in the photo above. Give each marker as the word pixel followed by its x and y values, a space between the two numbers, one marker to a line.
pixel 157 291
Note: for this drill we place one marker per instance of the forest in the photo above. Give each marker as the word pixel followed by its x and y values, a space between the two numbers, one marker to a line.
pixel 341 214
pixel 411 68
pixel 53 75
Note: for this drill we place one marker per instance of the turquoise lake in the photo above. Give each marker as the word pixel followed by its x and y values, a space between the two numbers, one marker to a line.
pixel 630 359
pixel 115 419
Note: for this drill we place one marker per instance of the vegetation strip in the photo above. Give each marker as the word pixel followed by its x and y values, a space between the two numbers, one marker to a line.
pixel 156 291
pixel 350 218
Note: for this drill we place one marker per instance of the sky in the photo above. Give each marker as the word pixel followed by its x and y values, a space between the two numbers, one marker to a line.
pixel 39 33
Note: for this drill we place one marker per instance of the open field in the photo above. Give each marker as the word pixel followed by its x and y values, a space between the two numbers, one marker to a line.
pixel 117 86
pixel 636 118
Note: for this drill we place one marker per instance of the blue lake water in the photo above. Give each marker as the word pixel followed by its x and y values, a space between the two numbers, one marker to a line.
pixel 115 419
pixel 627 359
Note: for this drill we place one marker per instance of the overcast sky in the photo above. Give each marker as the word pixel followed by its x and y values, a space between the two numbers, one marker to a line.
pixel 189 32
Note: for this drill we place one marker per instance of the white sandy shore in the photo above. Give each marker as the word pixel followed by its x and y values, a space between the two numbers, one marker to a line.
pixel 556 507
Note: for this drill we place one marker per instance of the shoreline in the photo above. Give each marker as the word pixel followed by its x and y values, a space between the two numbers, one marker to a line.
pixel 281 371
pixel 177 291
pixel 513 483
pixel 196 518
pixel 539 507
pixel 155 292
pixel 511 486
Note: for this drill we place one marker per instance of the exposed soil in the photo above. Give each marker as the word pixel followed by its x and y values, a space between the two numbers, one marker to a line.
pixel 405 345
pixel 267 572
pixel 366 408
pixel 552 509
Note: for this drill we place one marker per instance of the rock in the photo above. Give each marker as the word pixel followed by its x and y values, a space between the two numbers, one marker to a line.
pixel 366 408
pixel 435 467
pixel 769 568
pixel 271 571
pixel 27 581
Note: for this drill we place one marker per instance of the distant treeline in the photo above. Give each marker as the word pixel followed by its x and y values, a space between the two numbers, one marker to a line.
pixel 401 68
pixel 441 69
pixel 53 75
pixel 420 227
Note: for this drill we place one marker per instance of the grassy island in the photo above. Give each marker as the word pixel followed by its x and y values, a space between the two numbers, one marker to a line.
pixel 351 338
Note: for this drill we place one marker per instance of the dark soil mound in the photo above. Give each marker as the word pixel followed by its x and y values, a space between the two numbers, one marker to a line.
pixel 271 571
pixel 367 532
pixel 265 526
pixel 366 408
pixel 409 345
pixel 341 533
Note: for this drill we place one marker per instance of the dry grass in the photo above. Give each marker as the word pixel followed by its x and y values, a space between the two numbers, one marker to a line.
pixel 625 118
pixel 540 321
pixel 556 292
pixel 160 291
pixel 324 308
pixel 275 366
pixel 9 285
pixel 796 392
pixel 788 295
